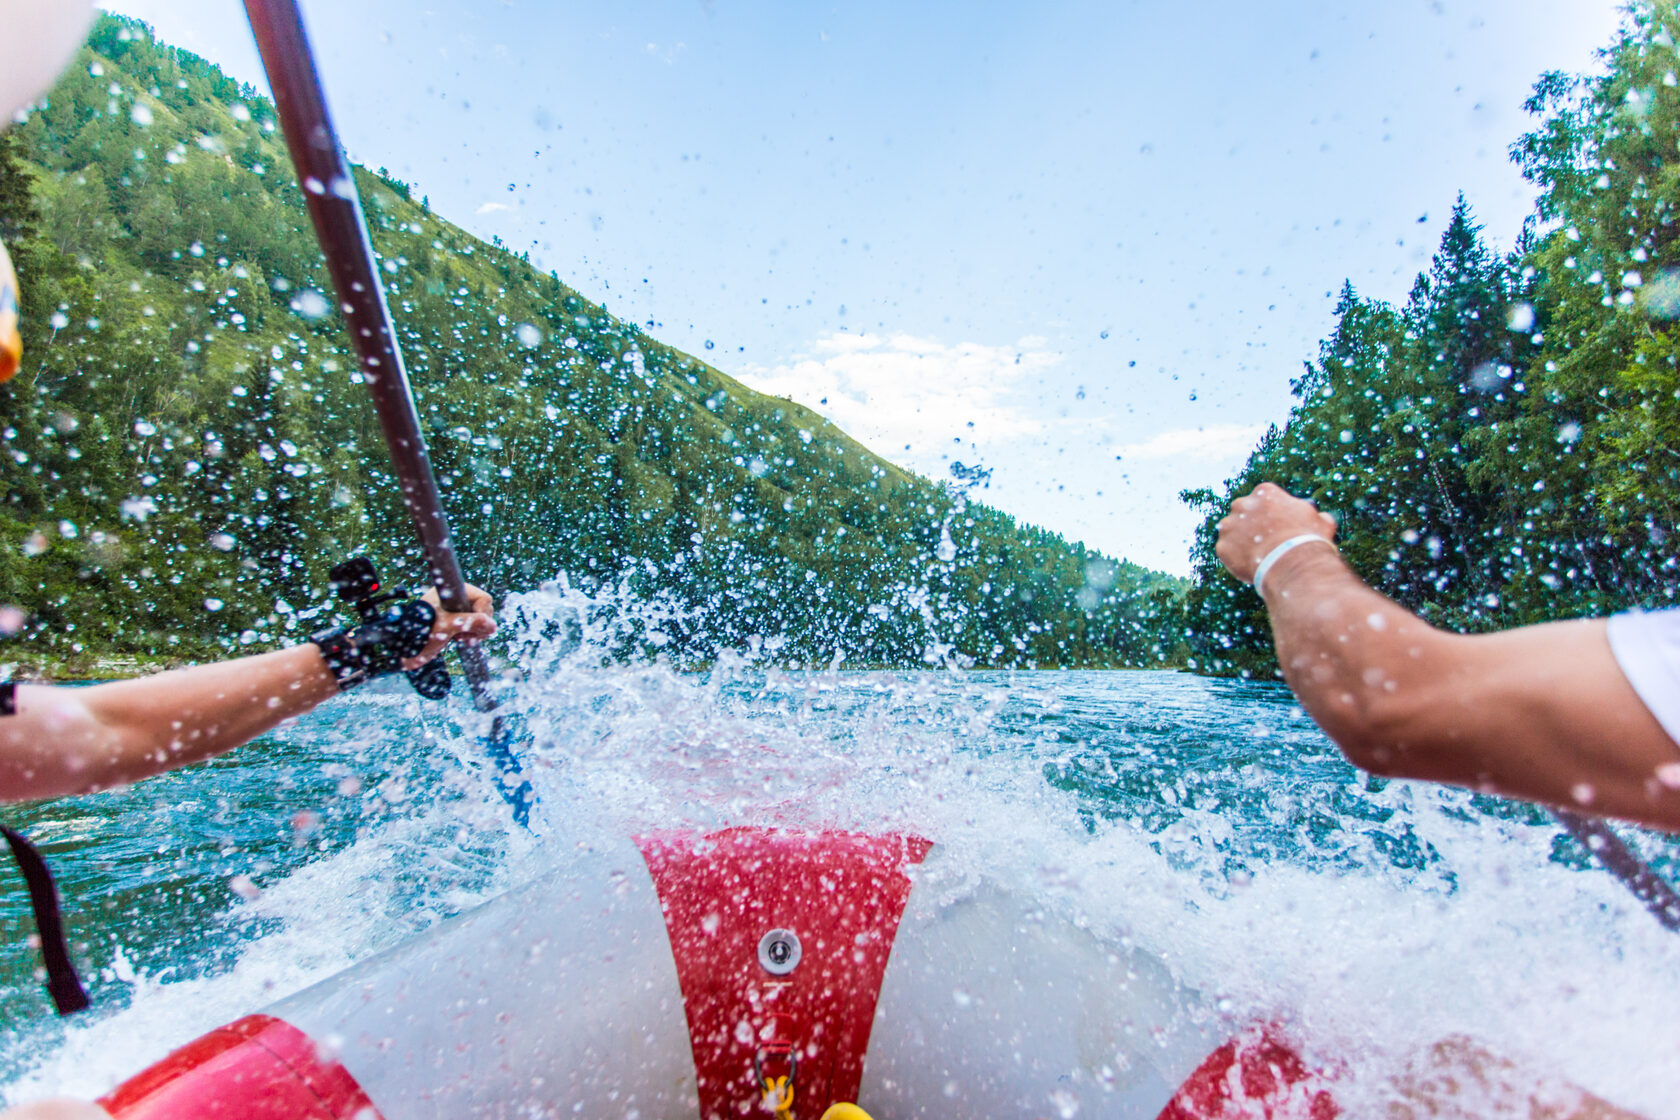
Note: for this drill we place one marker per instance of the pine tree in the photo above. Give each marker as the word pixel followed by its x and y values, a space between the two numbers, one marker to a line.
pixel 18 214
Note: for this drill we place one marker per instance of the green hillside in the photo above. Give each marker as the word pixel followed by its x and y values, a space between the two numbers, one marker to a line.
pixel 1504 448
pixel 188 454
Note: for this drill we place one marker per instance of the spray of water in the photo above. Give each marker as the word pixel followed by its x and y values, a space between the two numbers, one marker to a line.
pixel 1204 824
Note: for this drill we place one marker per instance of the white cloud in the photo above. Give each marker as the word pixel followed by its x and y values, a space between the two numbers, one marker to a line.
pixel 490 208
pixel 1211 441
pixel 898 390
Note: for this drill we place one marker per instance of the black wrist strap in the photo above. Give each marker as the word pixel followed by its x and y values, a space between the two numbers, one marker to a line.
pixel 379 645
pixel 349 668
pixel 8 698
pixel 63 985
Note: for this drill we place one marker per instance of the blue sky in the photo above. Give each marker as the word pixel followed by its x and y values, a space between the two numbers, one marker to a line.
pixel 1084 244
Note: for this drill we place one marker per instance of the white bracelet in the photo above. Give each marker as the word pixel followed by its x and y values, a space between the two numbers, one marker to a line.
pixel 1277 554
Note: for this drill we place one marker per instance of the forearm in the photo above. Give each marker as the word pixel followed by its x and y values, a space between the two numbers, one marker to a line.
pixel 1353 658
pixel 74 740
pixel 66 741
pixel 202 711
pixel 1542 712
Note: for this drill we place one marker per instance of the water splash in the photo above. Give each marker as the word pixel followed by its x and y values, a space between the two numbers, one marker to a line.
pixel 1205 823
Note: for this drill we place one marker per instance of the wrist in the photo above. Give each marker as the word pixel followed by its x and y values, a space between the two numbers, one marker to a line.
pixel 377 647
pixel 342 657
pixel 1265 570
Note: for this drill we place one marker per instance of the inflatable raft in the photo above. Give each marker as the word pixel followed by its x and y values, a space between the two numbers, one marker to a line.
pixel 737 974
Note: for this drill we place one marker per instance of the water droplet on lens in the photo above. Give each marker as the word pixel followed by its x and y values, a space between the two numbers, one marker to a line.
pixel 311 304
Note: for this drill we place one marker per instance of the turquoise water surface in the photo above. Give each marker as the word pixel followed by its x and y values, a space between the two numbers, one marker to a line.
pixel 1207 821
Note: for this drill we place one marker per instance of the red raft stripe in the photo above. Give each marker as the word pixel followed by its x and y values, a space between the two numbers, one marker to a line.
pixel 1256 1076
pixel 841 893
pixel 259 1068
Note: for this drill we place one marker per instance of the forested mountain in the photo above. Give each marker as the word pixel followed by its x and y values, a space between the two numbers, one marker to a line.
pixel 1505 448
pixel 187 452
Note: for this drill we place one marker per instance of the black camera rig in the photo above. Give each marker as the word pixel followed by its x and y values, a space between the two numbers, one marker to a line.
pixel 394 626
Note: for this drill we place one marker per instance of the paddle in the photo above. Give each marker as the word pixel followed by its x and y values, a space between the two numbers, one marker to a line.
pixel 1615 857
pixel 329 192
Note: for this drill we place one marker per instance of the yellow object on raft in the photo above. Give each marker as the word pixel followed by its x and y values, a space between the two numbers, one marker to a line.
pixel 845 1112
pixel 11 342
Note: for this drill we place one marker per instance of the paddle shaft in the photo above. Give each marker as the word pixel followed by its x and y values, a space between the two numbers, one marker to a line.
pixel 330 194
pixel 1649 887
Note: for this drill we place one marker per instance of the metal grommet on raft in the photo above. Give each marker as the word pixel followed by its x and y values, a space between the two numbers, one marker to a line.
pixel 779 952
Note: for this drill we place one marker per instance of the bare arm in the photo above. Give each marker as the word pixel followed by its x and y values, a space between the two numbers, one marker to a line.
pixel 1541 712
pixel 57 1109
pixel 74 740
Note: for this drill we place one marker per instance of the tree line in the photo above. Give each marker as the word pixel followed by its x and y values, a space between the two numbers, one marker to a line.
pixel 188 452
pixel 1504 447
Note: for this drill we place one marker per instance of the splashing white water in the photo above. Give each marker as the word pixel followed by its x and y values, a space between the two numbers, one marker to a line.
pixel 1367 960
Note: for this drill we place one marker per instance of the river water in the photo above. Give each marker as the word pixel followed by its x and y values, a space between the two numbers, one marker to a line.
pixel 1207 821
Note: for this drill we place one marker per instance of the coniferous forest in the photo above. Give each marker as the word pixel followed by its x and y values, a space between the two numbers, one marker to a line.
pixel 1504 448
pixel 188 452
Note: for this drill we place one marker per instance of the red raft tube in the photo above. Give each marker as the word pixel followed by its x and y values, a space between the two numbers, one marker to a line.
pixel 741 974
